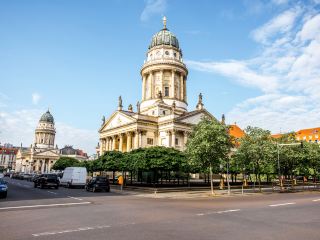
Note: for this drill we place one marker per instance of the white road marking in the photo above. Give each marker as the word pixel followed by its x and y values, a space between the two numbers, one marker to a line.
pixel 316 200
pixel 52 192
pixel 45 205
pixel 75 198
pixel 70 230
pixel 227 211
pixel 219 212
pixel 281 204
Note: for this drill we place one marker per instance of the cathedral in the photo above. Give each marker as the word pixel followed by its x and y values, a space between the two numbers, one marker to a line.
pixel 42 154
pixel 161 117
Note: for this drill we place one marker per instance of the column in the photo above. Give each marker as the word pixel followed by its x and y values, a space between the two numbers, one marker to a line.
pixel 173 138
pixel 185 89
pixel 172 84
pixel 129 139
pixel 136 139
pixel 150 86
pixel 101 148
pixel 185 139
pixel 143 87
pixel 168 139
pixel 156 138
pixel 140 139
pixel 114 138
pixel 42 166
pixel 49 165
pixel 181 87
pixel 161 82
pixel 121 142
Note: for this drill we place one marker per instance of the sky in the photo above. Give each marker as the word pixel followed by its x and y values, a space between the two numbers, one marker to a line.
pixel 257 62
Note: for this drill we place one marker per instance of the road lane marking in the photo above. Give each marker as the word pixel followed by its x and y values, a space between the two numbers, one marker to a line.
pixel 219 212
pixel 281 204
pixel 75 198
pixel 52 192
pixel 231 210
pixel 70 230
pixel 46 205
pixel 316 200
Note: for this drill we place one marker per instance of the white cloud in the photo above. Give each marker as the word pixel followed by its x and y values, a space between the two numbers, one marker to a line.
pixel 18 127
pixel 287 71
pixel 153 7
pixel 239 71
pixel 281 24
pixel 35 98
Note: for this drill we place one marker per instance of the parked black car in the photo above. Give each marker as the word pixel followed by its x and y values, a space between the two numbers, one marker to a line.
pixel 98 184
pixel 46 180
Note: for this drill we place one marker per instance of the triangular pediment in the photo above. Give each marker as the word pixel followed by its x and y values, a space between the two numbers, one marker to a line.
pixel 47 153
pixel 117 119
pixel 195 116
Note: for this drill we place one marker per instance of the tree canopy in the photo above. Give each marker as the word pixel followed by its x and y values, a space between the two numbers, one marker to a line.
pixel 64 162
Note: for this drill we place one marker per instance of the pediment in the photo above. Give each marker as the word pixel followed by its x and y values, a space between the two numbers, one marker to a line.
pixel 47 153
pixel 195 117
pixel 116 120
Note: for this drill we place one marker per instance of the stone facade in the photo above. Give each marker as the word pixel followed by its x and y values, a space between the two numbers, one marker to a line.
pixel 162 118
pixel 41 155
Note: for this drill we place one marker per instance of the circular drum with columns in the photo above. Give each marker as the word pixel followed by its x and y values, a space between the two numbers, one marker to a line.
pixel 45 131
pixel 165 72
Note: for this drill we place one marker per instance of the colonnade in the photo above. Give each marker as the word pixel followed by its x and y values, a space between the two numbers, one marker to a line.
pixel 128 141
pixel 149 78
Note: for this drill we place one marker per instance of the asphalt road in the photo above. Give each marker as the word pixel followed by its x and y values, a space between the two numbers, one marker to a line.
pixel 30 213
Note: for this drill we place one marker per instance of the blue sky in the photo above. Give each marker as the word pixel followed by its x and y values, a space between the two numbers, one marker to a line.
pixel 256 61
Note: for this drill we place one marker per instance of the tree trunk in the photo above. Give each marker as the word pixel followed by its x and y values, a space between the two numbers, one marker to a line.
pixel 211 183
pixel 259 177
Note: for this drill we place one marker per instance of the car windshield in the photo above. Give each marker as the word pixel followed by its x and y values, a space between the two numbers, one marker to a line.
pixel 101 179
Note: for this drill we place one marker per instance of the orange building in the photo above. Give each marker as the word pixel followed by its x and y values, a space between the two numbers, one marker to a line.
pixel 309 135
pixel 236 132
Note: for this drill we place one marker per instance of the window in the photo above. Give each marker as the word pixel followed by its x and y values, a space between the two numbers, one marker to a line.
pixel 177 141
pixel 163 141
pixel 164 112
pixel 166 91
pixel 316 141
pixel 150 141
pixel 167 52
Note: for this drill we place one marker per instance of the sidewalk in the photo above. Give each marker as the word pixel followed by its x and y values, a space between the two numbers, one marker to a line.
pixel 206 192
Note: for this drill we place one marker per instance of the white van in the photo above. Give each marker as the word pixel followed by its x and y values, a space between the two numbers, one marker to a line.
pixel 74 176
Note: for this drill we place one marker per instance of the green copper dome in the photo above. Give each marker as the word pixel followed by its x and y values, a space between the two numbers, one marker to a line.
pixel 164 37
pixel 47 117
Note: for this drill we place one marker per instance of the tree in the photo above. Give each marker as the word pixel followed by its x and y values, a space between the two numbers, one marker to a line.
pixel 208 146
pixel 64 162
pixel 256 153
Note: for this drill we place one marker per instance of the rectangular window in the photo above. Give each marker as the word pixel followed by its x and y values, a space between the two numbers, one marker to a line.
pixel 177 141
pixel 150 141
pixel 166 91
pixel 163 141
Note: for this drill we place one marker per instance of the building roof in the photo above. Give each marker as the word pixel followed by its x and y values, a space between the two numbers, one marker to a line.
pixel 308 131
pixel 236 131
pixel 47 117
pixel 164 37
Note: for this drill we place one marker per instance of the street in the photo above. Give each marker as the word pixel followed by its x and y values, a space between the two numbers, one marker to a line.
pixel 30 213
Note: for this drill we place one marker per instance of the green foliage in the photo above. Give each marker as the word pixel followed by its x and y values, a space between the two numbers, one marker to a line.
pixel 208 145
pixel 257 153
pixel 64 162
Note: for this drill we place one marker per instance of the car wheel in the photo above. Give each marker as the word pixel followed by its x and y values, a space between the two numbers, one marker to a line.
pixel 56 187
pixel 107 189
pixel 41 186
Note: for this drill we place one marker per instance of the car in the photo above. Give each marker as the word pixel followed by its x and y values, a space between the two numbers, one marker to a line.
pixel 26 177
pixel 74 177
pixel 3 188
pixel 46 180
pixel 98 184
